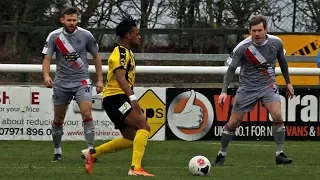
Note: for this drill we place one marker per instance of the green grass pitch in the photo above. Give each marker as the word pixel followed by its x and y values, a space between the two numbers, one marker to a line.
pixel 168 160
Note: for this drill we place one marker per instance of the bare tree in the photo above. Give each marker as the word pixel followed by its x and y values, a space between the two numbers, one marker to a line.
pixel 21 12
pixel 308 15
pixel 219 13
pixel 187 14
pixel 236 13
pixel 148 12
pixel 280 15
pixel 102 15
pixel 88 9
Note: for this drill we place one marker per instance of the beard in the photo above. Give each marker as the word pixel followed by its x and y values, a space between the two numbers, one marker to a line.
pixel 67 29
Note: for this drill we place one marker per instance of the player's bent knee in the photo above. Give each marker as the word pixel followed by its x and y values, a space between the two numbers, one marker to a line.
pixel 277 117
pixel 142 124
pixel 136 120
pixel 85 108
pixel 146 127
pixel 86 116
pixel 236 119
pixel 60 113
pixel 139 123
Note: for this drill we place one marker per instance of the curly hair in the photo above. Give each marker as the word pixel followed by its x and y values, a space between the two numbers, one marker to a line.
pixel 125 26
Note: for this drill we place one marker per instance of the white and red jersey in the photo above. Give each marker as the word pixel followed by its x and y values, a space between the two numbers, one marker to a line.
pixel 257 62
pixel 71 56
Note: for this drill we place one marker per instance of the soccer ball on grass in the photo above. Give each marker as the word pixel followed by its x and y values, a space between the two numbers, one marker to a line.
pixel 199 166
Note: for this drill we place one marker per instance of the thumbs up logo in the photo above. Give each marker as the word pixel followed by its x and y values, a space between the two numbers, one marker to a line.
pixel 190 115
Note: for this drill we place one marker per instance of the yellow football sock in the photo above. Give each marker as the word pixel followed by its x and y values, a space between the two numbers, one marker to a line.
pixel 139 145
pixel 112 146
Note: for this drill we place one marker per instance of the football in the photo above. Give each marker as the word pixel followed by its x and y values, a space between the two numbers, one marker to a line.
pixel 199 166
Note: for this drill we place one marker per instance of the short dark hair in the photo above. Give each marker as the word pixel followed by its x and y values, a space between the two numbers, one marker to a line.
pixel 70 10
pixel 125 26
pixel 257 20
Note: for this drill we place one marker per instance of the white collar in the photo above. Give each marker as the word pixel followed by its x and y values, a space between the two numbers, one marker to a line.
pixel 65 32
pixel 265 42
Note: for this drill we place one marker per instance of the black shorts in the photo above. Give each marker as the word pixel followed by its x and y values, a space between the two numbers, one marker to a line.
pixel 117 108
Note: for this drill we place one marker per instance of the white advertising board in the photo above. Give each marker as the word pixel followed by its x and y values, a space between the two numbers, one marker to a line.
pixel 26 113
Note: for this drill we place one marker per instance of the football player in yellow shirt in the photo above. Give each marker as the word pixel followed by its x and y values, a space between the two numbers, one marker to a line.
pixel 121 104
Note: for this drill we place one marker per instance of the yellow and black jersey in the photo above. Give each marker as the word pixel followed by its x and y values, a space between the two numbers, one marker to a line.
pixel 123 58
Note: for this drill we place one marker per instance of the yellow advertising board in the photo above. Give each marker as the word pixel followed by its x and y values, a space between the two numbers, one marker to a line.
pixel 300 45
pixel 154 110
